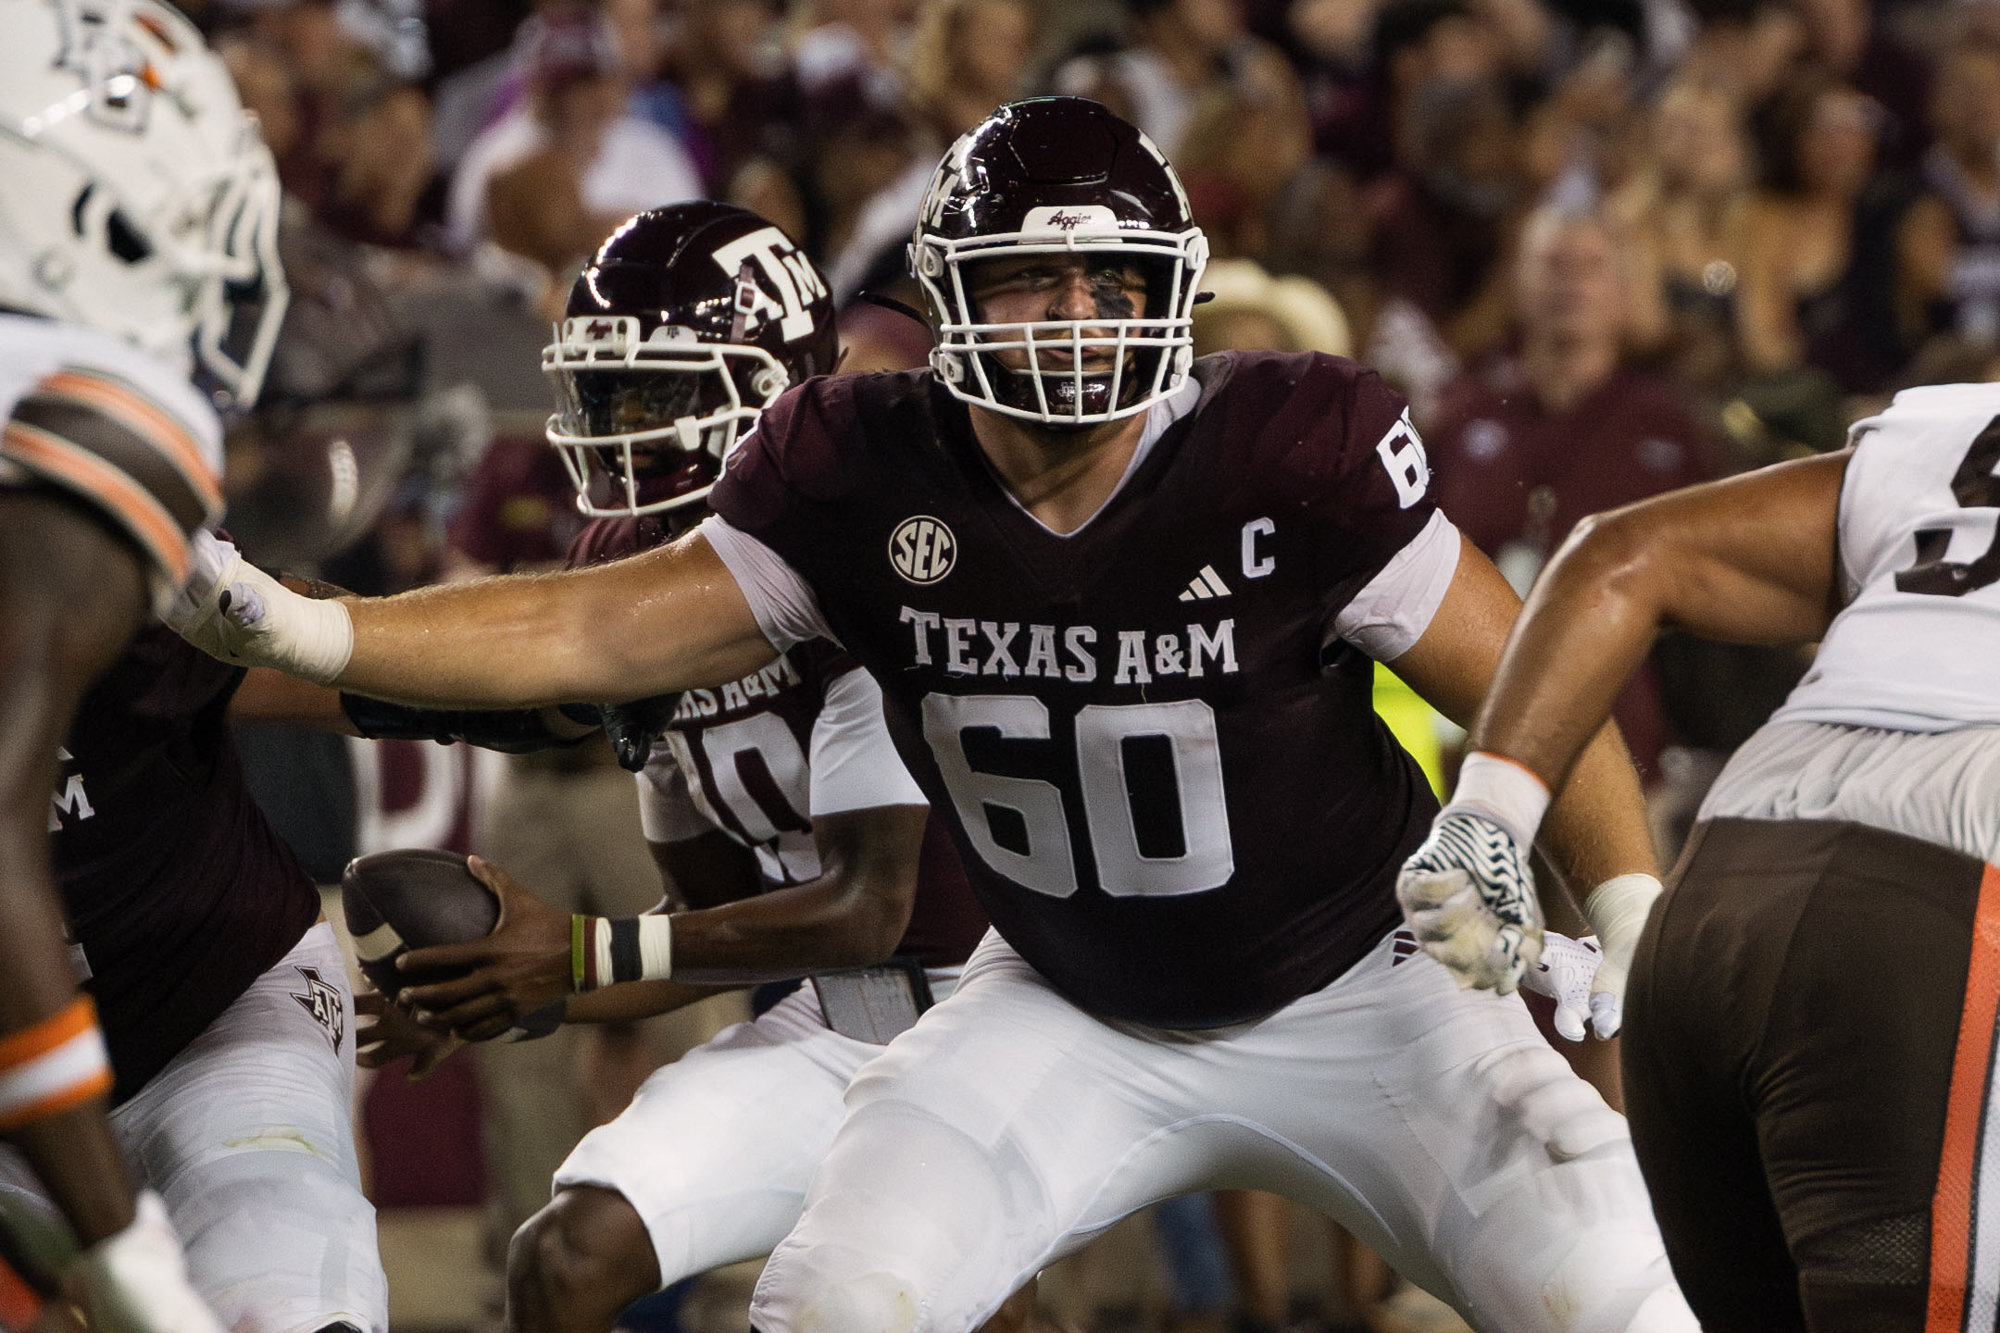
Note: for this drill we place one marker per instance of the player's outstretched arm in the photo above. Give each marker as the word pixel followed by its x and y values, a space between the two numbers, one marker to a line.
pixel 663 620
pixel 1749 559
pixel 1468 892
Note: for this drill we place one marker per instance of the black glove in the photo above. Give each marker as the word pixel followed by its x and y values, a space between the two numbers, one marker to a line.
pixel 635 727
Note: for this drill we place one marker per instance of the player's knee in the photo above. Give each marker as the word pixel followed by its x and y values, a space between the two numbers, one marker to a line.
pixel 864 1303
pixel 585 1253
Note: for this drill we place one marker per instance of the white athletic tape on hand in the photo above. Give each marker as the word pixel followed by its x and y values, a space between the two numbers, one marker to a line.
pixel 137 1282
pixel 232 610
pixel 277 627
pixel 1617 908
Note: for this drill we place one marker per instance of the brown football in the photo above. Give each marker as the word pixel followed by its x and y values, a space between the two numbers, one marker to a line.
pixel 413 898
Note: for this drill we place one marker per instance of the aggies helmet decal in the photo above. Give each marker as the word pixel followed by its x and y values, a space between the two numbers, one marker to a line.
pixel 685 324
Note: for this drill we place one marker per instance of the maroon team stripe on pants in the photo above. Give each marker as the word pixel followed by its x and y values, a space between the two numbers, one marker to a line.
pixel 1965 1209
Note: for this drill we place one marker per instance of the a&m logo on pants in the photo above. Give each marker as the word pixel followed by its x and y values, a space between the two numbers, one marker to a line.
pixel 922 549
pixel 322 1001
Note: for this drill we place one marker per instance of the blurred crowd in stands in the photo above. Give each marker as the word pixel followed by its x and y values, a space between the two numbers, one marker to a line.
pixel 1605 247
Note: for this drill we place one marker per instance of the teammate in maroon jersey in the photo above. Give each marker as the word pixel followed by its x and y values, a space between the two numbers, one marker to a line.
pixel 1122 610
pixel 780 792
pixel 138 213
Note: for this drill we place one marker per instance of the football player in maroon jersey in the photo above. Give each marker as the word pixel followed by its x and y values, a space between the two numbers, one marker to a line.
pixel 1123 610
pixel 137 205
pixel 780 793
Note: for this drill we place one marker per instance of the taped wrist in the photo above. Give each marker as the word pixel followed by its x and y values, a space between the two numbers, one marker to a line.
pixel 1617 909
pixel 279 628
pixel 51 1066
pixel 607 950
pixel 1503 791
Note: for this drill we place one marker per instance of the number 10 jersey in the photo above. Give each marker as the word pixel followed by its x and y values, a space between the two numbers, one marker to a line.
pixel 1158 756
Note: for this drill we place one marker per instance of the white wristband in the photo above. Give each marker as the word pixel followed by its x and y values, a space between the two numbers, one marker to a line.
pixel 1617 909
pixel 626 948
pixel 1504 791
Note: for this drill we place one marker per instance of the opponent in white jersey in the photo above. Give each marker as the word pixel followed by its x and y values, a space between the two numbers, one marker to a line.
pixel 137 204
pixel 1810 1021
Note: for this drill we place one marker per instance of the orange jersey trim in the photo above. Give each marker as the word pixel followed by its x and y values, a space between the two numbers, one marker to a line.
pixel 146 518
pixel 20 1307
pixel 75 1095
pixel 144 418
pixel 72 1020
pixel 1955 1202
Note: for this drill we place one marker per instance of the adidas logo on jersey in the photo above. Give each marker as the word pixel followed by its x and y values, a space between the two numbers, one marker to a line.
pixel 1206 584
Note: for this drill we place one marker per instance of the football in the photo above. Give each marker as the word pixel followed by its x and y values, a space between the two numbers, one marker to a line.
pixel 411 899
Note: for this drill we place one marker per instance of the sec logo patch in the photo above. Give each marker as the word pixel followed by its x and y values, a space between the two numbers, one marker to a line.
pixel 922 549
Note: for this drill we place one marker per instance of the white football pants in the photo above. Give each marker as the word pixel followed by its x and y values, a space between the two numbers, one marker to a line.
pixel 717 1149
pixel 1009 1128
pixel 249 1138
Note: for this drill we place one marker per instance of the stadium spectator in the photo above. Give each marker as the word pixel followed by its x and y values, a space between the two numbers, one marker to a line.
pixel 571 161
pixel 1684 217
pixel 1532 441
pixel 1823 238
pixel 1954 227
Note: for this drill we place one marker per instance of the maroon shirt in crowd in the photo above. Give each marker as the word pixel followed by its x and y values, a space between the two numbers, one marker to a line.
pixel 1493 447
pixel 519 508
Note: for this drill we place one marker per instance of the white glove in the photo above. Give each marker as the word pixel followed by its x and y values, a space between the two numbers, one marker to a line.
pixel 1617 909
pixel 1564 974
pixel 137 1282
pixel 233 610
pixel 1469 898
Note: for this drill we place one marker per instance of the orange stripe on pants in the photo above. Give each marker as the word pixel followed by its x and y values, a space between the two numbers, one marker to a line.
pixel 20 1307
pixel 1952 1205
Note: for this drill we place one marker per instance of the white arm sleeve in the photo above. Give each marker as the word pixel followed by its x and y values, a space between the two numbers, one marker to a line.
pixel 786 607
pixel 854 764
pixel 667 812
pixel 1392 612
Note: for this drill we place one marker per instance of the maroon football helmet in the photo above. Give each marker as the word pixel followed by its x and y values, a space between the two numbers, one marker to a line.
pixel 681 328
pixel 1059 175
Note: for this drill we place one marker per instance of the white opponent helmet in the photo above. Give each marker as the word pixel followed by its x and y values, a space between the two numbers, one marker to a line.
pixel 137 197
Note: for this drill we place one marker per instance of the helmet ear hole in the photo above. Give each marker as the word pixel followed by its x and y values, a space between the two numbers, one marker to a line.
pixel 769 382
pixel 126 243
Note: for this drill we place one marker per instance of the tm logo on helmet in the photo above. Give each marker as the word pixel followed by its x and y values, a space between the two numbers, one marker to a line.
pixel 922 549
